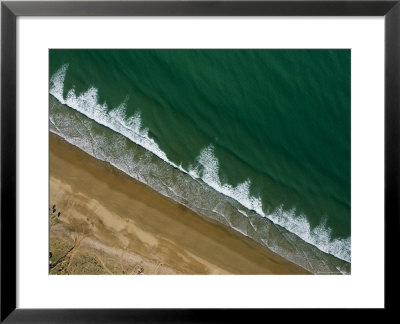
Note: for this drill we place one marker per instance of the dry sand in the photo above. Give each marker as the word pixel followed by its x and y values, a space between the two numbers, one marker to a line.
pixel 113 224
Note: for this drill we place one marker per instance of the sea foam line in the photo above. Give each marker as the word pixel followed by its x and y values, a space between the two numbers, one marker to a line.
pixel 319 236
pixel 207 166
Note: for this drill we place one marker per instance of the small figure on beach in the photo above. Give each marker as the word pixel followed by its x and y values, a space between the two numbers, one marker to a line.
pixel 138 269
pixel 54 206
pixel 59 213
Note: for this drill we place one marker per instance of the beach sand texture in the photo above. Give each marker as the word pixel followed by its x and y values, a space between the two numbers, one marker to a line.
pixel 110 223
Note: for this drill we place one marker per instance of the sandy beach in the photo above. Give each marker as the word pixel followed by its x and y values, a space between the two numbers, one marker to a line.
pixel 110 223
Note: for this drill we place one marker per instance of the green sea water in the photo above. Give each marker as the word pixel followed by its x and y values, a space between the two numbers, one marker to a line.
pixel 266 131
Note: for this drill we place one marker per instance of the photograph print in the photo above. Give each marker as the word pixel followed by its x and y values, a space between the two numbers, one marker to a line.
pixel 199 161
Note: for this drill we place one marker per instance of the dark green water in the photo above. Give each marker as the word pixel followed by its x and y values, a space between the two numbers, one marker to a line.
pixel 269 130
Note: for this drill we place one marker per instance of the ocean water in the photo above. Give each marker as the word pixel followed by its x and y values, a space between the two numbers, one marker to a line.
pixel 258 140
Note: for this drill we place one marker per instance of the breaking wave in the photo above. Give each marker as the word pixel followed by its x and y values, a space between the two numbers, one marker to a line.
pixel 319 236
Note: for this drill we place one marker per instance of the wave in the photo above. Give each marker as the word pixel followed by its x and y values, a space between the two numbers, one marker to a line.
pixel 206 168
pixel 320 236
pixel 87 104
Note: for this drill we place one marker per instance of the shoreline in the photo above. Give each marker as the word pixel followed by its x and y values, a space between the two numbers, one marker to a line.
pixel 111 223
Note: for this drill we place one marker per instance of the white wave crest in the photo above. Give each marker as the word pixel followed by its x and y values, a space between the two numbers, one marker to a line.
pixel 320 236
pixel 87 103
pixel 208 167
pixel 57 83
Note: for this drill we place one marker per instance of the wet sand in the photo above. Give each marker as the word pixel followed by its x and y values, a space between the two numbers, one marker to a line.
pixel 113 224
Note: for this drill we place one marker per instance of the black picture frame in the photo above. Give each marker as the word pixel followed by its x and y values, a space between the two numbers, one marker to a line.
pixel 11 10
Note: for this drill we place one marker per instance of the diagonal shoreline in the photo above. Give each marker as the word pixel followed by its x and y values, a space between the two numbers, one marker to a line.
pixel 125 222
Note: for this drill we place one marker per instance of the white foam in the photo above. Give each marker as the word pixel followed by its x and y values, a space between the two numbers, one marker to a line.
pixel 57 83
pixel 207 167
pixel 320 236
pixel 115 119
